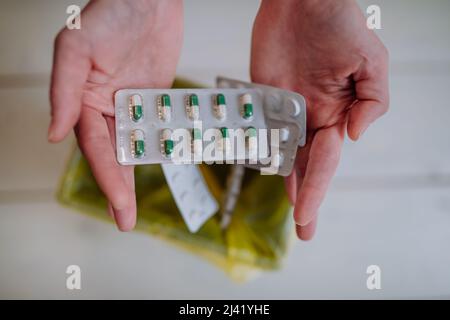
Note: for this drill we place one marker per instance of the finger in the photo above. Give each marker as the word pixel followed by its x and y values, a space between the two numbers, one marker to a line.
pixel 110 210
pixel 322 163
pixel 307 232
pixel 290 183
pixel 127 171
pixel 372 95
pixel 95 143
pixel 71 67
pixel 362 115
pixel 295 179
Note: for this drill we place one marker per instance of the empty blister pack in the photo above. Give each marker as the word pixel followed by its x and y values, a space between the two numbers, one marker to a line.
pixel 285 116
pixel 190 126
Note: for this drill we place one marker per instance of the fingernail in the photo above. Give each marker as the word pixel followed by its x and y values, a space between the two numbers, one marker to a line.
pixel 118 216
pixel 50 135
pixel 124 220
pixel 304 221
pixel 301 223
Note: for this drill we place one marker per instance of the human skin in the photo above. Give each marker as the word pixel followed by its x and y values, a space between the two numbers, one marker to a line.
pixel 320 48
pixel 323 50
pixel 121 44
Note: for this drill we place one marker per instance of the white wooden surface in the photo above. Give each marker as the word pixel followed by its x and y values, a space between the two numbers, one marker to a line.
pixel 389 204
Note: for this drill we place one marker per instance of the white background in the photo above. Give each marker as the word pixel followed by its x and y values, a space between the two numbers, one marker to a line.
pixel 389 204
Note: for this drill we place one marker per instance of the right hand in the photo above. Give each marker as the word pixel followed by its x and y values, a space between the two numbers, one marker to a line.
pixel 323 50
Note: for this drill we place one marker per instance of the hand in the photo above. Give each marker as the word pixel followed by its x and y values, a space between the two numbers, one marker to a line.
pixel 121 44
pixel 323 50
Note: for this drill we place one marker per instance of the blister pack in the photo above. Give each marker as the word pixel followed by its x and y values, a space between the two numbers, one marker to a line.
pixel 191 194
pixel 285 116
pixel 190 126
pixel 238 122
pixel 242 123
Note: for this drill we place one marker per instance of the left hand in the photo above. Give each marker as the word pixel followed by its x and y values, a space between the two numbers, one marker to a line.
pixel 121 44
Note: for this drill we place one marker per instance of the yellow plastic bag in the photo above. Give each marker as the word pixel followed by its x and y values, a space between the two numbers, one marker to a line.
pixel 256 240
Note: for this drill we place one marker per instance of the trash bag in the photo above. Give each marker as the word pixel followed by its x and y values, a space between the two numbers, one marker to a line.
pixel 256 240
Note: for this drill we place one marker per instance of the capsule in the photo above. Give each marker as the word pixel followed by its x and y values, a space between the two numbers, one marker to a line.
pixel 277 160
pixel 166 142
pixel 220 108
pixel 165 108
pixel 252 142
pixel 138 144
pixel 247 106
pixel 136 112
pixel 225 143
pixel 197 144
pixel 193 109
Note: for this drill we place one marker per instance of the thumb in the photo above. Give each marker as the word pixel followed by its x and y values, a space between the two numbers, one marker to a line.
pixel 71 66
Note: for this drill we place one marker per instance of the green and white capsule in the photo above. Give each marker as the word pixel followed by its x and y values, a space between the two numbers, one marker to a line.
pixel 192 107
pixel 138 143
pixel 164 107
pixel 197 142
pixel 220 106
pixel 224 142
pixel 247 106
pixel 166 142
pixel 252 142
pixel 136 111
